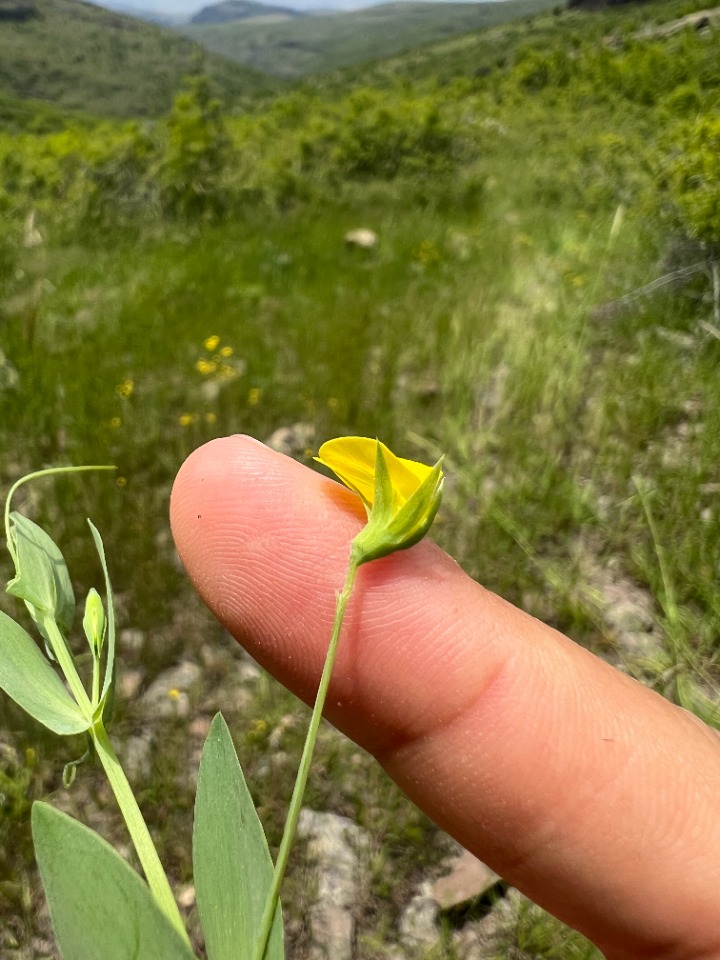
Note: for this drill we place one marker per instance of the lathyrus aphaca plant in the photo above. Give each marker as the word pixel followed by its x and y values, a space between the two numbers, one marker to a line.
pixel 99 905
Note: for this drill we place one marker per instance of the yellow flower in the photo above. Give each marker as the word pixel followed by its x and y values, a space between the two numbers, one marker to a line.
pixel 226 352
pixel 211 417
pixel 211 343
pixel 401 497
pixel 353 460
pixel 186 419
pixel 254 396
pixel 125 389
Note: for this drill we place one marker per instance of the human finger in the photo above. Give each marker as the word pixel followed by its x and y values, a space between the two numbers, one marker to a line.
pixel 592 794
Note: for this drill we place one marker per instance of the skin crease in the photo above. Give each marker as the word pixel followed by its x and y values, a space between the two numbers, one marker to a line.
pixel 593 795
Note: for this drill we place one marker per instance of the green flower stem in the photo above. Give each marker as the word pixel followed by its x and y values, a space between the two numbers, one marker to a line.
pixel 145 848
pixel 49 472
pixel 96 681
pixel 64 658
pixel 305 761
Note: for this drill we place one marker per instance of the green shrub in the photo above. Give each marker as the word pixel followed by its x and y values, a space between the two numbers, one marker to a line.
pixel 692 177
pixel 382 137
pixel 195 152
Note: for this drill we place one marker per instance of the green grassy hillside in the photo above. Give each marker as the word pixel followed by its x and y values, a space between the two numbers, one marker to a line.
pixel 82 57
pixel 298 47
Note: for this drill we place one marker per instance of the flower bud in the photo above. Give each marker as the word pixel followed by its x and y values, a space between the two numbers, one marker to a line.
pixel 94 621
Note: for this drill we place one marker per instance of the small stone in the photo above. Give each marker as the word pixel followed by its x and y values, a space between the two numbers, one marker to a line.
pixel 294 440
pixel 361 239
pixel 493 929
pixel 185 897
pixel 31 235
pixel 248 671
pixel 418 922
pixel 167 696
pixel 335 844
pixel 136 756
pixel 467 879
pixel 200 727
pixel 284 723
pixel 129 683
pixel 131 639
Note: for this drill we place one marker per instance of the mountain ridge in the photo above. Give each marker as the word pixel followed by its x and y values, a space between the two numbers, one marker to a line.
pixel 227 11
pixel 290 49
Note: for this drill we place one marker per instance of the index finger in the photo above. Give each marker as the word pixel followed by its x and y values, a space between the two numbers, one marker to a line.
pixel 590 793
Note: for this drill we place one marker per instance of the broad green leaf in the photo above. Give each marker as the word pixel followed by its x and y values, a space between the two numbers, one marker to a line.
pixel 100 908
pixel 27 677
pixel 41 577
pixel 232 865
pixel 108 687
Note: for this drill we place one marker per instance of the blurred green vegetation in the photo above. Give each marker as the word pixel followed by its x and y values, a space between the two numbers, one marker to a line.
pixel 164 282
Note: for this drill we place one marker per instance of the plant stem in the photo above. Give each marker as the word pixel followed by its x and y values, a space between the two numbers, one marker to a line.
pixel 305 762
pixel 139 833
pixel 49 472
pixel 65 660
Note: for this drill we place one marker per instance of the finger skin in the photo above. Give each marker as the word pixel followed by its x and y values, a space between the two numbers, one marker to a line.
pixel 592 794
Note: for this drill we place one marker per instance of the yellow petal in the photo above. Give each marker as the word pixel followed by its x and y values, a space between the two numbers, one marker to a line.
pixel 353 460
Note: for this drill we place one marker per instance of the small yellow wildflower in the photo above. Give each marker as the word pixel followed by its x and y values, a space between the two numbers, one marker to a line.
pixel 211 417
pixel 401 497
pixel 121 481
pixel 115 423
pixel 206 367
pixel 174 693
pixel 211 343
pixel 226 352
pixel 186 419
pixel 124 390
pixel 427 253
pixel 254 396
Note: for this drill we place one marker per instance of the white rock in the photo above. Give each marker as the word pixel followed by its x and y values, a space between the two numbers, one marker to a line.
pixel 336 845
pixel 418 923
pixel 167 695
pixel 467 878
pixel 293 440
pixel 362 238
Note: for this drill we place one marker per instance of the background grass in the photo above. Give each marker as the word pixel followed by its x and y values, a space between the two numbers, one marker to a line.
pixel 517 180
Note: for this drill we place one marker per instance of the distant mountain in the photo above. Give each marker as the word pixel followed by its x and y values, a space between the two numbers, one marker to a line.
pixel 143 13
pixel 176 12
pixel 228 10
pixel 80 56
pixel 166 11
pixel 292 48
